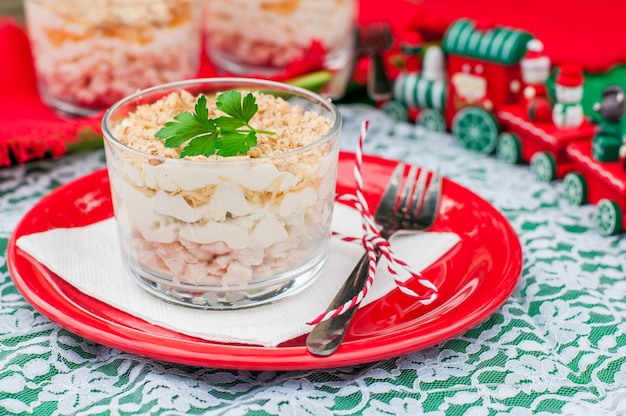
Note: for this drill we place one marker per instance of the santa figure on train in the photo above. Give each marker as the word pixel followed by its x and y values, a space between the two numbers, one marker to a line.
pixel 535 68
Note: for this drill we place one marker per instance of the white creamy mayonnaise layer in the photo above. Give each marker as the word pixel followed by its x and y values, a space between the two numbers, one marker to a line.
pixel 165 215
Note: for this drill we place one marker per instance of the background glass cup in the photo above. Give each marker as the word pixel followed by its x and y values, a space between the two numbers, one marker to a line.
pixel 180 248
pixel 90 54
pixel 263 37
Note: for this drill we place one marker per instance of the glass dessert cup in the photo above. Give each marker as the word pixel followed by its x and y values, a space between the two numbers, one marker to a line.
pixel 231 232
pixel 90 54
pixel 265 37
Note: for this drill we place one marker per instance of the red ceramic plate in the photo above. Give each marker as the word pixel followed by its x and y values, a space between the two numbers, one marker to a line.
pixel 474 278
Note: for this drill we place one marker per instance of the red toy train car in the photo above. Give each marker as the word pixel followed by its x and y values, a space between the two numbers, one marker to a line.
pixel 474 85
pixel 489 87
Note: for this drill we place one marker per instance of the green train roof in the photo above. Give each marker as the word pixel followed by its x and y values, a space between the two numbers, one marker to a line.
pixel 499 44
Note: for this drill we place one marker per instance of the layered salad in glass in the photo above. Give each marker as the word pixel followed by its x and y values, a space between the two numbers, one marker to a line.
pixel 229 212
pixel 266 36
pixel 90 54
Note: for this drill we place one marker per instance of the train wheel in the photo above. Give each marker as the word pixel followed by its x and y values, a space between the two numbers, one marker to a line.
pixel 543 166
pixel 509 149
pixel 575 189
pixel 431 120
pixel 608 217
pixel 476 129
pixel 395 110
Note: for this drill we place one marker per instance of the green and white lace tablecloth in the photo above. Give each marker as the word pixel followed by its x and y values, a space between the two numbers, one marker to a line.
pixel 557 346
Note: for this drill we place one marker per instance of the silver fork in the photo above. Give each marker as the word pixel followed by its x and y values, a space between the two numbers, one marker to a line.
pixel 412 206
pixel 371 40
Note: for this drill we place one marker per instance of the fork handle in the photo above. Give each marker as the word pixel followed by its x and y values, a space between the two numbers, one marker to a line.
pixel 326 336
pixel 378 84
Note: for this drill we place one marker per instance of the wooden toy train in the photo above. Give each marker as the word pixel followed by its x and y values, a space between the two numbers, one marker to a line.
pixel 495 90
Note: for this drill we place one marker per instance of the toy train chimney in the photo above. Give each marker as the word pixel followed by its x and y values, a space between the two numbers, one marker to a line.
pixel 434 64
pixel 412 46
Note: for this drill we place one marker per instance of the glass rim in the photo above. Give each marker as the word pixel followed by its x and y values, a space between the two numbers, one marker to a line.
pixel 239 81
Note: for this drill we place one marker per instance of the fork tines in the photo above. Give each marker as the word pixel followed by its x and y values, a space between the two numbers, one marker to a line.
pixel 418 193
pixel 375 37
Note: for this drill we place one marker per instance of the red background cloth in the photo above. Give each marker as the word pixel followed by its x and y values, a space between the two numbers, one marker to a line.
pixel 592 34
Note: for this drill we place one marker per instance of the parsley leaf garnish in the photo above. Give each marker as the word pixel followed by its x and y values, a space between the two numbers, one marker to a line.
pixel 229 135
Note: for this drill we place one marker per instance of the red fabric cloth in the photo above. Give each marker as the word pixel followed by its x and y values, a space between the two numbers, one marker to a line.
pixel 28 129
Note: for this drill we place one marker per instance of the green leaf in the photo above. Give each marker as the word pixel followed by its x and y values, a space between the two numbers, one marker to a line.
pixel 234 143
pixel 230 103
pixel 249 107
pixel 229 135
pixel 203 144
pixel 187 126
pixel 229 123
pixel 202 113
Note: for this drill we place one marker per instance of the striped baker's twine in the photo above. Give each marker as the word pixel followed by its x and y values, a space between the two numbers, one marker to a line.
pixel 374 245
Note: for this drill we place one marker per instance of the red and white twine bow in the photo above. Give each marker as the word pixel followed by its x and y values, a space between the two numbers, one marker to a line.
pixel 375 244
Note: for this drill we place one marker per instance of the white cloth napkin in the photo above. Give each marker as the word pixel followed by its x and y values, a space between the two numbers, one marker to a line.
pixel 89 259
